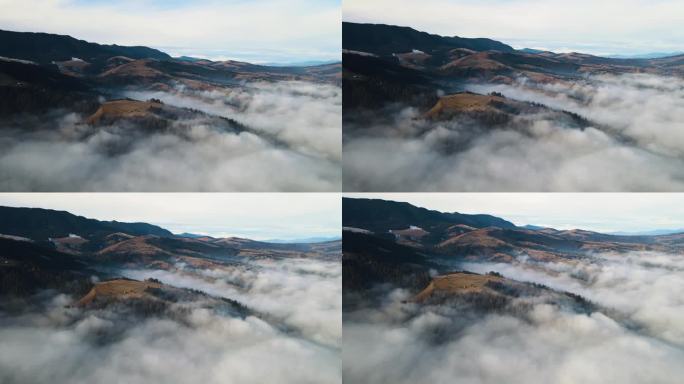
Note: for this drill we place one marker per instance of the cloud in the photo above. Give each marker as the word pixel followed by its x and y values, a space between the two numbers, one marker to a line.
pixel 305 294
pixel 634 145
pixel 249 30
pixel 406 343
pixel 256 216
pixel 305 115
pixel 613 26
pixel 642 285
pixel 602 212
pixel 201 345
pixel 196 154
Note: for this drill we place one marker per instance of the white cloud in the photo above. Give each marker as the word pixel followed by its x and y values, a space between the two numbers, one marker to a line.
pixel 265 30
pixel 633 143
pixel 635 338
pixel 252 215
pixel 197 344
pixel 605 27
pixel 294 145
pixel 304 294
pixel 592 211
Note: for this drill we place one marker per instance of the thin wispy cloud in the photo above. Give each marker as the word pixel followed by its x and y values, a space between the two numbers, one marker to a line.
pixel 258 216
pixel 605 27
pixel 257 31
pixel 603 212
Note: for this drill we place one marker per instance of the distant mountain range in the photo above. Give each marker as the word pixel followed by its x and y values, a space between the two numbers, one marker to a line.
pixel 39 71
pixel 307 63
pixel 420 250
pixel 650 55
pixel 46 48
pixel 42 248
pixel 317 239
pixel 480 237
pixel 655 232
pixel 386 64
pixel 382 39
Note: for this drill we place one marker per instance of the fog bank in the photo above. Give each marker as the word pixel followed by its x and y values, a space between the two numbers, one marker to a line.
pixel 292 337
pixel 635 336
pixel 633 142
pixel 292 143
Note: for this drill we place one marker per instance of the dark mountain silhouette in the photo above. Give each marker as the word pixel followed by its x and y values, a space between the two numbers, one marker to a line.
pixel 40 72
pixel 26 267
pixel 485 237
pixel 45 48
pixel 37 251
pixel 29 88
pixel 385 39
pixel 40 224
pixel 377 262
pixel 368 260
pixel 383 215
pixel 39 76
pixel 370 82
pixel 385 64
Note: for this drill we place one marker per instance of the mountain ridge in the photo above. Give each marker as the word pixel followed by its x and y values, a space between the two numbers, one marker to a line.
pixel 488 238
pixel 39 224
pixel 388 39
pixel 46 48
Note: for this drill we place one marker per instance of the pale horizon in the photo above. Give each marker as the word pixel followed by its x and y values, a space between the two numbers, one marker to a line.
pixel 256 216
pixel 607 28
pixel 599 212
pixel 256 31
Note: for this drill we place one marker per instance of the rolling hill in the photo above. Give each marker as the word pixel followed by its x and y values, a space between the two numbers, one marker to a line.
pixel 40 224
pixel 385 64
pixel 382 39
pixel 46 48
pixel 42 248
pixel 39 71
pixel 398 243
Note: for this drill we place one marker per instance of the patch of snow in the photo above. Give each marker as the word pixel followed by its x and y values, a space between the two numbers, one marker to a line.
pixel 3 58
pixel 356 230
pixel 417 51
pixel 360 53
pixel 17 238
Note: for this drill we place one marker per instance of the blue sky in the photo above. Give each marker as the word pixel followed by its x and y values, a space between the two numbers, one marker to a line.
pixel 602 212
pixel 259 216
pixel 256 31
pixel 263 216
pixel 605 27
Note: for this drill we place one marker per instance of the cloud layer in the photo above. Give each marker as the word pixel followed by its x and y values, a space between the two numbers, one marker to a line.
pixel 599 212
pixel 634 143
pixel 295 146
pixel 611 27
pixel 298 340
pixel 256 216
pixel 635 338
pixel 305 294
pixel 247 30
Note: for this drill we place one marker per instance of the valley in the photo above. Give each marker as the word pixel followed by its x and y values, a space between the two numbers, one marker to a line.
pixel 439 295
pixel 76 114
pixel 475 114
pixel 105 295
